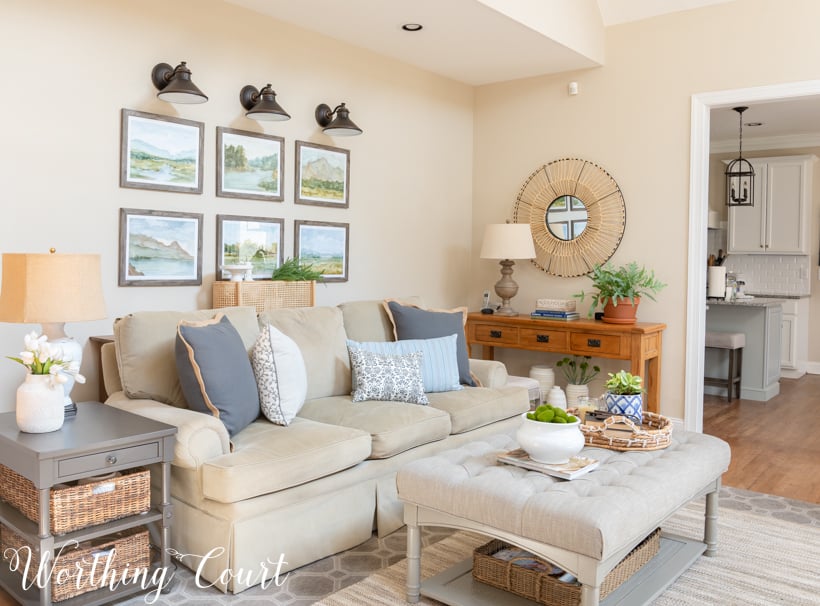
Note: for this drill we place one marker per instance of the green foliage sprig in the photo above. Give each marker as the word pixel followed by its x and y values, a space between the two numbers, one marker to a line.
pixel 293 269
pixel 616 284
pixel 624 383
pixel 577 369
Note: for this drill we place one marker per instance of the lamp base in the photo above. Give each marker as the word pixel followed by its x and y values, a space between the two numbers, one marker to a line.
pixel 506 288
pixel 506 310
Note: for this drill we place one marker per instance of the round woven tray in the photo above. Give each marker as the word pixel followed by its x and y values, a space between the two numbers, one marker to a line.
pixel 654 434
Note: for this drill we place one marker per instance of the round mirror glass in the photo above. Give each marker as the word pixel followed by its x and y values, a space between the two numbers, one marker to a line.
pixel 566 217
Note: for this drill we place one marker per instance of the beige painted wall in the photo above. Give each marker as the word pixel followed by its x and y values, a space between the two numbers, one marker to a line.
pixel 69 66
pixel 632 118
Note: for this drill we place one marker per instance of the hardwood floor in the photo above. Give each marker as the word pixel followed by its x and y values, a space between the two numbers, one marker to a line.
pixel 775 444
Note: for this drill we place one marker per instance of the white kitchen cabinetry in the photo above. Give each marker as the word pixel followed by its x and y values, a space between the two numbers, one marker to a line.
pixel 778 223
pixel 794 338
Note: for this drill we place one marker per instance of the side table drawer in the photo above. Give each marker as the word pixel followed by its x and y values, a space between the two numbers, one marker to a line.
pixel 544 339
pixel 103 461
pixel 591 344
pixel 495 334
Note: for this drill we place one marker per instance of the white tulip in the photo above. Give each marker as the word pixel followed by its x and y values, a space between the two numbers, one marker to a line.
pixel 79 378
pixel 27 357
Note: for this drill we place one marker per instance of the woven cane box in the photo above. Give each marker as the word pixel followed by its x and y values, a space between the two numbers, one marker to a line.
pixel 74 572
pixel 545 588
pixel 85 504
pixel 264 294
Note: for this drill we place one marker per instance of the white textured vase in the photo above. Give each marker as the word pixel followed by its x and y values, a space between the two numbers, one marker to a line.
pixel 551 443
pixel 575 391
pixel 545 377
pixel 557 397
pixel 40 405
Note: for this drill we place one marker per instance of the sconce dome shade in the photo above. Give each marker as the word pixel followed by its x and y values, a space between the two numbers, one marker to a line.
pixel 262 105
pixel 174 84
pixel 342 125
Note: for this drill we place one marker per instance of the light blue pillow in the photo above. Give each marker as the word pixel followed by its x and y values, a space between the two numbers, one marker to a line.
pixel 439 363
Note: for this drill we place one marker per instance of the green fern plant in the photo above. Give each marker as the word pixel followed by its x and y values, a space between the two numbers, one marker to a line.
pixel 293 269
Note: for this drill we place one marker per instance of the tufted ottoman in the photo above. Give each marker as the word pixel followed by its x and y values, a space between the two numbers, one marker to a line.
pixel 586 525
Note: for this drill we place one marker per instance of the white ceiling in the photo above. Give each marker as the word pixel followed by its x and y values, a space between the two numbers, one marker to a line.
pixel 468 41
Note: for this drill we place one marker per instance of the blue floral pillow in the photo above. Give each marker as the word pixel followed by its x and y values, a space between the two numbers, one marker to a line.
pixel 386 377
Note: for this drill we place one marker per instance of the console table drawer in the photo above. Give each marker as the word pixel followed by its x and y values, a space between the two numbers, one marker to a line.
pixel 493 333
pixel 544 339
pixel 592 344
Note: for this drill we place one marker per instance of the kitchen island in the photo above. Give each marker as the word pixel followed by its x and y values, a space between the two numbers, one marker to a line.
pixel 759 318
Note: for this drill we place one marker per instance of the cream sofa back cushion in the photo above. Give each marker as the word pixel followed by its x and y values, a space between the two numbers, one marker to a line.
pixel 368 320
pixel 321 337
pixel 145 349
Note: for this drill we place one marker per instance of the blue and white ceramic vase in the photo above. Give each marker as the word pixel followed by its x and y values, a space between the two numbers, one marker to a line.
pixel 628 405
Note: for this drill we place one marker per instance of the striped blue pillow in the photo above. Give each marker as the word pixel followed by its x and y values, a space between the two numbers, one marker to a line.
pixel 439 362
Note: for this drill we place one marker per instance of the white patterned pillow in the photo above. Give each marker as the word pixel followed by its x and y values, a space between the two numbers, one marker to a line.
pixel 280 374
pixel 386 377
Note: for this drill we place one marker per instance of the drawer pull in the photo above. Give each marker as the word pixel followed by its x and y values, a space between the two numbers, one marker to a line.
pixel 111 460
pixel 542 338
pixel 593 342
pixel 495 334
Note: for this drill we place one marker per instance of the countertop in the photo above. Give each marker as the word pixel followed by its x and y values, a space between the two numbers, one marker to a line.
pixel 750 302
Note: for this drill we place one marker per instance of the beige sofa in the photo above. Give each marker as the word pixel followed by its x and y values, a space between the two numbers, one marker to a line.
pixel 313 488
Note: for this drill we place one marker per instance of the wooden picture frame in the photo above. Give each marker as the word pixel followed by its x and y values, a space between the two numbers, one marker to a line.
pixel 325 246
pixel 161 153
pixel 322 175
pixel 159 248
pixel 257 240
pixel 249 165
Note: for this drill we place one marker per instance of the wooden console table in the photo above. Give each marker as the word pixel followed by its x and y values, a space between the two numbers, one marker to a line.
pixel 639 343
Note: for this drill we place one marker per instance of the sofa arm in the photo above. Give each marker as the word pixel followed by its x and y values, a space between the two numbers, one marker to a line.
pixel 490 373
pixel 199 438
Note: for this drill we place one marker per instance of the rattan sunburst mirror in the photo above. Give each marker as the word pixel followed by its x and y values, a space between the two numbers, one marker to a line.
pixel 576 214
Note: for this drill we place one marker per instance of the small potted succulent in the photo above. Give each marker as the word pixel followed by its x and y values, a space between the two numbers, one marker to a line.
pixel 624 395
pixel 619 291
pixel 578 373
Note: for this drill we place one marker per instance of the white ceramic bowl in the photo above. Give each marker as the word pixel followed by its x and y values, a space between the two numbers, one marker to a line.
pixel 550 443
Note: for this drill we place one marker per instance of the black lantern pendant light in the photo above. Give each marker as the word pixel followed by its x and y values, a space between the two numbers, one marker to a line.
pixel 740 174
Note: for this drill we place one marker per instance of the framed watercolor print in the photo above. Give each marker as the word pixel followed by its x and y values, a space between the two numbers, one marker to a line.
pixel 322 175
pixel 160 152
pixel 249 165
pixel 159 248
pixel 254 240
pixel 324 246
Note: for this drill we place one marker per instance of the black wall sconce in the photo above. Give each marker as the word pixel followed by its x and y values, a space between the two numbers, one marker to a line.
pixel 261 104
pixel 341 125
pixel 174 84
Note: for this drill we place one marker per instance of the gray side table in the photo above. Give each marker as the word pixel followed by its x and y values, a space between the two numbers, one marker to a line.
pixel 100 439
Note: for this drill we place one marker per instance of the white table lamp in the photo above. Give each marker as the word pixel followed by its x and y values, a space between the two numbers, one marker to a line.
pixel 52 289
pixel 507 241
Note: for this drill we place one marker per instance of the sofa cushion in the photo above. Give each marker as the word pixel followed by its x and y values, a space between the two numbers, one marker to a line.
pixel 395 378
pixel 320 335
pixel 145 349
pixel 369 321
pixel 413 322
pixel 478 406
pixel 280 375
pixel 393 426
pixel 215 372
pixel 267 458
pixel 439 363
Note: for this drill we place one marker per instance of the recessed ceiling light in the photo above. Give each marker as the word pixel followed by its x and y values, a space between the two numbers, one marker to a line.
pixel 752 124
pixel 412 27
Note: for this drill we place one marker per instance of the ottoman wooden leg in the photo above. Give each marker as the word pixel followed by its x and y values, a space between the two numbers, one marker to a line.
pixel 590 596
pixel 710 531
pixel 413 561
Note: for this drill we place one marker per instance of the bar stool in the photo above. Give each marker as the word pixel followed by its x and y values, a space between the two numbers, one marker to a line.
pixel 733 342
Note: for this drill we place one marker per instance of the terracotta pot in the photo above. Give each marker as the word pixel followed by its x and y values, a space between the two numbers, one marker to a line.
pixel 623 313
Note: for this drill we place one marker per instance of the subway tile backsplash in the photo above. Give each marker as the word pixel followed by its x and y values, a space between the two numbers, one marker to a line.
pixel 766 274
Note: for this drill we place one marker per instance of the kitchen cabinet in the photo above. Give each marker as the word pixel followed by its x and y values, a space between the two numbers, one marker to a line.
pixel 778 223
pixel 794 340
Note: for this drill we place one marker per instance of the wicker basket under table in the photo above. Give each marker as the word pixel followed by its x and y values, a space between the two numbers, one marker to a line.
pixel 264 294
pixel 129 550
pixel 83 505
pixel 546 589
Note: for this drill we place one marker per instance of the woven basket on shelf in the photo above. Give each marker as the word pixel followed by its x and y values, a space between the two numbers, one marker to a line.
pixel 129 552
pixel 76 507
pixel 264 294
pixel 546 589
pixel 654 434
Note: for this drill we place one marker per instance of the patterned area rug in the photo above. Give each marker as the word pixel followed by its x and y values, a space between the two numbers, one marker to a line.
pixel 769 553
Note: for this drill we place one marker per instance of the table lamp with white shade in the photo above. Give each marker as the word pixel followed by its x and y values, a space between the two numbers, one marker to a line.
pixel 506 242
pixel 52 289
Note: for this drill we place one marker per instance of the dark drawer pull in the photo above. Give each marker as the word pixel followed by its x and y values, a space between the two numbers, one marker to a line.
pixel 542 338
pixel 593 342
pixel 495 334
pixel 111 460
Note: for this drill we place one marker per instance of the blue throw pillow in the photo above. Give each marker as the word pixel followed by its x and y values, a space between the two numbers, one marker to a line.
pixel 215 372
pixel 439 363
pixel 411 322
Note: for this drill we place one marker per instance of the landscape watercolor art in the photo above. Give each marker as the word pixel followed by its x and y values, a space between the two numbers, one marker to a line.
pixel 250 165
pixel 161 248
pixel 324 246
pixel 323 175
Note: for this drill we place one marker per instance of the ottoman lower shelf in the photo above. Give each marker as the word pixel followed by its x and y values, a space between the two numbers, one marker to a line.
pixel 456 586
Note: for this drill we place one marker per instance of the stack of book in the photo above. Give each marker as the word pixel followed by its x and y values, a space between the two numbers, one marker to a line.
pixel 555 309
